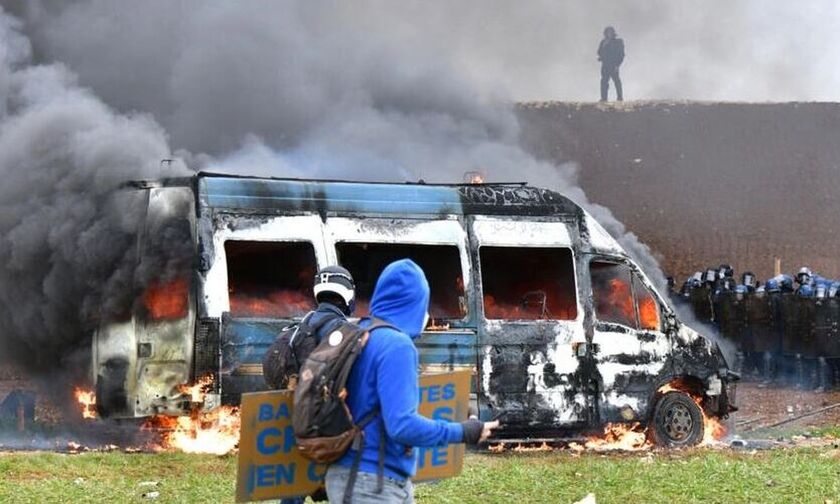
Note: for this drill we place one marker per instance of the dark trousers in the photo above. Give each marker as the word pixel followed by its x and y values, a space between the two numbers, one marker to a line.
pixel 610 72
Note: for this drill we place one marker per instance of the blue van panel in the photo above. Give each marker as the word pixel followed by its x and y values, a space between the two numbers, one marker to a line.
pixel 285 195
pixel 262 194
pixel 244 342
pixel 447 349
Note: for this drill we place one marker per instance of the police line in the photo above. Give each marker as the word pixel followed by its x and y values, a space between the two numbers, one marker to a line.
pixel 779 335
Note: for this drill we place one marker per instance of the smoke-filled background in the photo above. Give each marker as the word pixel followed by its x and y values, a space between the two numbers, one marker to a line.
pixel 93 93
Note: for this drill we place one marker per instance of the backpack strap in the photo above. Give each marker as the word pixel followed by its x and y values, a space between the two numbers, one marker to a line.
pixel 310 329
pixel 357 459
pixel 360 437
pixel 300 324
pixel 376 323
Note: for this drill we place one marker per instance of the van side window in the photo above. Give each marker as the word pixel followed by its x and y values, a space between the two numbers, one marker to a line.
pixel 611 290
pixel 270 279
pixel 649 318
pixel 440 263
pixel 524 283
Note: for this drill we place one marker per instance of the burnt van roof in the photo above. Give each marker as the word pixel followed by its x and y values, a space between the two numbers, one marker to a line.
pixel 261 194
pixel 267 194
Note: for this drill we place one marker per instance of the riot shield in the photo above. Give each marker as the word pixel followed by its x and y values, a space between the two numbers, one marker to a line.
pixel 827 327
pixel 701 303
pixel 729 315
pixel 789 306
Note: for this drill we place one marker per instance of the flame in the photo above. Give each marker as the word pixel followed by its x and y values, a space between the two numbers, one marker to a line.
pixel 621 298
pixel 507 310
pixel 167 301
pixel 624 437
pixel 713 428
pixel 648 314
pixel 474 177
pixel 214 432
pixel 632 437
pixel 278 303
pixel 87 400
pixel 197 390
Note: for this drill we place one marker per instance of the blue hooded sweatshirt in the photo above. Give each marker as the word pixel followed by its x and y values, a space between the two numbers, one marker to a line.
pixel 385 377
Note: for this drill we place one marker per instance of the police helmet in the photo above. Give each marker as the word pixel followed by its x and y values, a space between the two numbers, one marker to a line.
pixel 772 285
pixel 726 271
pixel 336 281
pixel 748 279
pixel 805 291
pixel 804 276
pixel 786 283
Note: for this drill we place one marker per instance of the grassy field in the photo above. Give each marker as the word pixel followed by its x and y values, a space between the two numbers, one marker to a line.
pixel 792 475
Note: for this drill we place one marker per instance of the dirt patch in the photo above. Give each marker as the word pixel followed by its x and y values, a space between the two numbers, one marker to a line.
pixel 760 406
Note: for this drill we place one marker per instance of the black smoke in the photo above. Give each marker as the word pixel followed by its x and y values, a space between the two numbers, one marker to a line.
pixel 66 236
pixel 96 91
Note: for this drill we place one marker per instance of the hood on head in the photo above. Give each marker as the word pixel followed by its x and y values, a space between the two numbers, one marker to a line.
pixel 401 296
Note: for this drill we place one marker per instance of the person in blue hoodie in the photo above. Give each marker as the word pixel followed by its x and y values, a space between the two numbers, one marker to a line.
pixel 384 379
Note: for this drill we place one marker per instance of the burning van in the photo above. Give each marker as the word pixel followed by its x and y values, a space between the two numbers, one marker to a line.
pixel 562 330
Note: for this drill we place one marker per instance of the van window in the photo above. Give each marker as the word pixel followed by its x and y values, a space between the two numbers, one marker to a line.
pixel 649 318
pixel 528 283
pixel 440 263
pixel 270 279
pixel 611 290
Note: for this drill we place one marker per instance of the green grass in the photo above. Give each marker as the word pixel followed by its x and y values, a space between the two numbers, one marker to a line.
pixel 795 475
pixel 700 476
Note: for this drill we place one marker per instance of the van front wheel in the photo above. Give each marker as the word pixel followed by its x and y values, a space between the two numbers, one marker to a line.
pixel 677 421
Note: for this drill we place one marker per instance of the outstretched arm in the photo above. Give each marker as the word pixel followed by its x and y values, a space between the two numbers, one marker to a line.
pixel 396 377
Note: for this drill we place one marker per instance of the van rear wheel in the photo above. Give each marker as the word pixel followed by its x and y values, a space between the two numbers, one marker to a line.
pixel 677 421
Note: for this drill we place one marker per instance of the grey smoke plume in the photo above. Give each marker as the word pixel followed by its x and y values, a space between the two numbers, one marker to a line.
pixel 363 90
pixel 750 50
pixel 65 240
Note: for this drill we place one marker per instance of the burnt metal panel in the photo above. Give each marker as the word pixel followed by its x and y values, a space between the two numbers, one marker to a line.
pixel 447 350
pixel 283 195
pixel 244 342
pixel 206 352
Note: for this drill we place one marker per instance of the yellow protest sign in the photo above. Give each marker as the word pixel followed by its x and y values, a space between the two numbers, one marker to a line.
pixel 270 467
pixel 444 396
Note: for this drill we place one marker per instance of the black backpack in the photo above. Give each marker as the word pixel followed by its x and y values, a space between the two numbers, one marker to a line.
pixel 322 422
pixel 284 358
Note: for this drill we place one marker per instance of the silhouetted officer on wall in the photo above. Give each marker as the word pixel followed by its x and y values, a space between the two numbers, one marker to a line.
pixel 611 55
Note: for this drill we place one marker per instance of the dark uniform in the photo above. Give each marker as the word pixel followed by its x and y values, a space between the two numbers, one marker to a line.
pixel 611 55
pixel 760 308
pixel 798 346
pixel 827 340
pixel 701 302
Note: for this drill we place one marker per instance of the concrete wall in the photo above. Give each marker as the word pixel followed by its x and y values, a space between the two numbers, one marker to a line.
pixel 706 183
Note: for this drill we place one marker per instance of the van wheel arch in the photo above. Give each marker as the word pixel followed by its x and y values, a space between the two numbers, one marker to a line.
pixel 686 382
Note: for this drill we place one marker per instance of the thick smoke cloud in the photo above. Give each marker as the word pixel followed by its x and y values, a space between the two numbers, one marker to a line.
pixel 65 241
pixel 363 90
pixel 750 50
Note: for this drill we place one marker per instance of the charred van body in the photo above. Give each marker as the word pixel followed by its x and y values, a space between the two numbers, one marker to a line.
pixel 562 330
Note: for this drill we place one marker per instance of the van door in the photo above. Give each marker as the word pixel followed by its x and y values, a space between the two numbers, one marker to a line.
pixel 260 282
pixel 366 245
pixel 630 345
pixel 530 325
